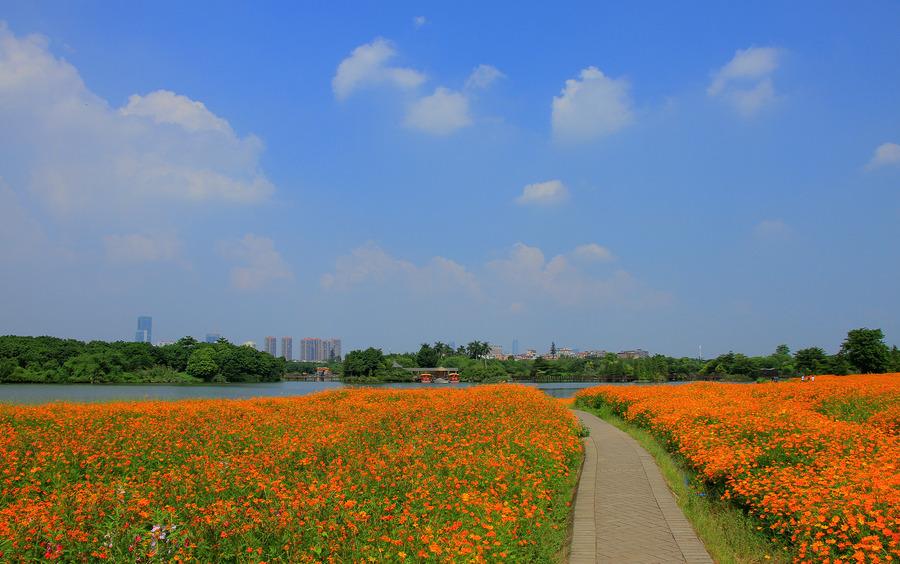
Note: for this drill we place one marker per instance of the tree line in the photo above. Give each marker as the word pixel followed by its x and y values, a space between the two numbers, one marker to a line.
pixel 863 351
pixel 55 360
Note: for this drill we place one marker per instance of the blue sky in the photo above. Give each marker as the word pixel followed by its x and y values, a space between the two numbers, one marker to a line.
pixel 602 175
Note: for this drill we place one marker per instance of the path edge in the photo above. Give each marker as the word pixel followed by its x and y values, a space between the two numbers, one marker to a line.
pixel 583 540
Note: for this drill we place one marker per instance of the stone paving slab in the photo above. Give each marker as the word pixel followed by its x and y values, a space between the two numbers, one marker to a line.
pixel 624 512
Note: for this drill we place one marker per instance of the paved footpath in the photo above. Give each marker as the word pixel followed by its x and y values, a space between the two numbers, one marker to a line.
pixel 624 512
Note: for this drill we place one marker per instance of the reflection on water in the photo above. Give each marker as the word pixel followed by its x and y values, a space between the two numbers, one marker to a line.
pixel 42 393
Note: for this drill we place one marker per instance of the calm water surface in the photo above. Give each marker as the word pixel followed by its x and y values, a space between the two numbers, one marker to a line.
pixel 42 393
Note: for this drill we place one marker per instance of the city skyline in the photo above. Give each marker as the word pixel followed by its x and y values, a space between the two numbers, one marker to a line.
pixel 315 349
pixel 737 195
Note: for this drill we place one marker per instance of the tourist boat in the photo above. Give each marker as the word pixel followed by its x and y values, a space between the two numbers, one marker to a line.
pixel 454 378
pixel 425 378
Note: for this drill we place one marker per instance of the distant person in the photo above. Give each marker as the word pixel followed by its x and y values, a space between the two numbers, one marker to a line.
pixel 803 377
pixel 812 378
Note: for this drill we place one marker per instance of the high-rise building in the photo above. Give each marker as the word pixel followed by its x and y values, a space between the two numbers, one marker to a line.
pixel 310 349
pixel 144 333
pixel 330 349
pixel 213 338
pixel 515 347
pixel 287 348
pixel 270 345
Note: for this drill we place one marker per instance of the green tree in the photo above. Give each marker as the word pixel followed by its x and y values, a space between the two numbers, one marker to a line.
pixel 358 364
pixel 478 349
pixel 894 359
pixel 865 349
pixel 552 348
pixel 539 369
pixel 202 364
pixel 443 349
pixel 838 364
pixel 812 360
pixel 428 356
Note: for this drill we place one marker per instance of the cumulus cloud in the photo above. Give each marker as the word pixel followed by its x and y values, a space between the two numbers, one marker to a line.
pixel 164 106
pixel 138 247
pixel 745 81
pixel 591 106
pixel 367 66
pixel 73 151
pixel 525 273
pixel 259 263
pixel 419 21
pixel 441 113
pixel 523 278
pixel 593 252
pixel 483 77
pixel 885 155
pixel 371 264
pixel 548 193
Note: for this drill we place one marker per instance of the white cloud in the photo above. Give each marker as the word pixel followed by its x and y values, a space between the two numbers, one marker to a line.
pixel 745 81
pixel 371 264
pixel 750 101
pixel 591 107
pixel 419 21
pixel 441 113
pixel 523 280
pixel 593 252
pixel 482 77
pixel 526 275
pixel 260 265
pixel 367 66
pixel 886 154
pixel 79 156
pixel 164 106
pixel 771 229
pixel 137 247
pixel 22 235
pixel 547 193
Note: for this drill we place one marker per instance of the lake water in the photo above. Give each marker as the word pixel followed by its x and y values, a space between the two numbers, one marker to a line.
pixel 42 393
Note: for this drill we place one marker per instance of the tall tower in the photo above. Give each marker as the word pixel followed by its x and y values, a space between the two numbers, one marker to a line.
pixel 144 333
pixel 335 349
pixel 270 345
pixel 287 348
pixel 310 349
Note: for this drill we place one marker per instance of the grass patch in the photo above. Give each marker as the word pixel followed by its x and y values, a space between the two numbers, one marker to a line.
pixel 729 534
pixel 853 408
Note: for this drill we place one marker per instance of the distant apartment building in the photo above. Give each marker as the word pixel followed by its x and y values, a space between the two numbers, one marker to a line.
pixel 636 353
pixel 530 354
pixel 287 348
pixel 144 333
pixel 213 338
pixel 314 349
pixel 310 349
pixel 496 352
pixel 331 349
pixel 271 345
pixel 592 354
pixel 565 352
pixel 515 347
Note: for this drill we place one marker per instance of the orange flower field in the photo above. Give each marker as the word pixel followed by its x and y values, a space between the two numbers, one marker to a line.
pixel 815 462
pixel 362 475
